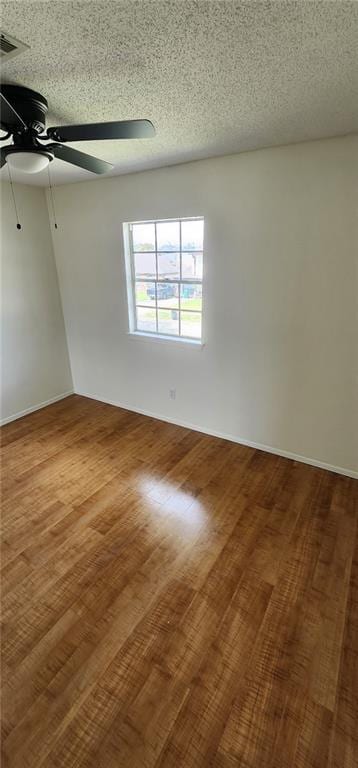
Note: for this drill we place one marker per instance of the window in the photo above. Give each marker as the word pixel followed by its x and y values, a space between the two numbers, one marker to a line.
pixel 165 272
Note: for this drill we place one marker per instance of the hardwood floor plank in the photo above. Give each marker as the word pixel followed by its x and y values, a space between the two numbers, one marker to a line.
pixel 343 751
pixel 121 681
pixel 172 599
pixel 313 738
pixel 277 675
pixel 197 731
pixel 331 581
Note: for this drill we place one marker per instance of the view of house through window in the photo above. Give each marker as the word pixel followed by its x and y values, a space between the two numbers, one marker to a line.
pixel 166 277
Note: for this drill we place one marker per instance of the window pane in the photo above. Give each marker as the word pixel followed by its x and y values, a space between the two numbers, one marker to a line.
pixel 191 296
pixel 192 265
pixel 145 293
pixel 168 236
pixel 168 321
pixel 192 233
pixel 143 237
pixel 144 265
pixel 168 266
pixel 166 277
pixel 190 324
pixel 146 320
pixel 168 295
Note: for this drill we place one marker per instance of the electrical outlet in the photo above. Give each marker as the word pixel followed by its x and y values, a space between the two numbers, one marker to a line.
pixel 172 394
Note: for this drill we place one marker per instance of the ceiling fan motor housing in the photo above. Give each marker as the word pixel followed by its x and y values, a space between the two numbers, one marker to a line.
pixel 30 105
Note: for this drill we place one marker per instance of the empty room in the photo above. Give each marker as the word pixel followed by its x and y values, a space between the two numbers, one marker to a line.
pixel 179 383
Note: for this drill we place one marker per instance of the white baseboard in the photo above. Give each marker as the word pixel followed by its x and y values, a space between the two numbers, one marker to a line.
pixel 35 408
pixel 225 436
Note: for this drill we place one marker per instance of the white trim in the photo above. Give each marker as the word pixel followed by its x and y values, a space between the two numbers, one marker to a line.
pixel 161 337
pixel 33 408
pixel 172 220
pixel 226 436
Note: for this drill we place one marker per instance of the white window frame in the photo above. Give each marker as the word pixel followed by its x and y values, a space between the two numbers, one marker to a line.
pixel 131 282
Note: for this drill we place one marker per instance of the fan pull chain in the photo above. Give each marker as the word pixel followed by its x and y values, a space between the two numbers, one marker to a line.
pixel 52 197
pixel 18 225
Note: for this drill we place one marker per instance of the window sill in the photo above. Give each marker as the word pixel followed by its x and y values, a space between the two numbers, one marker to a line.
pixel 162 339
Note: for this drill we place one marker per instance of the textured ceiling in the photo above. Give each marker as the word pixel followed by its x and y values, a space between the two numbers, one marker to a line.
pixel 214 76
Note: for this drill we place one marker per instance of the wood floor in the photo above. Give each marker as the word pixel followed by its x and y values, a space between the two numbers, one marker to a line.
pixel 173 600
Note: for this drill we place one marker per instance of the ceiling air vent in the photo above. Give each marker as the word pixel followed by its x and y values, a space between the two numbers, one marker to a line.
pixel 9 46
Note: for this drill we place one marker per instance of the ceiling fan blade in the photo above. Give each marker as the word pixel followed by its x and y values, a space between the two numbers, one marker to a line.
pixel 123 129
pixel 2 156
pixel 9 118
pixel 81 159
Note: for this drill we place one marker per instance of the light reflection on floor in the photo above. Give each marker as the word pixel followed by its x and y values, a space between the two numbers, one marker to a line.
pixel 174 503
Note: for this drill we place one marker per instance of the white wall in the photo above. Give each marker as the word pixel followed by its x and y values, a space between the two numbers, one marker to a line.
pixel 35 365
pixel 280 362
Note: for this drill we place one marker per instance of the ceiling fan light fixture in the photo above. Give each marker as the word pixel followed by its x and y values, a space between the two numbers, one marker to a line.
pixel 27 162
